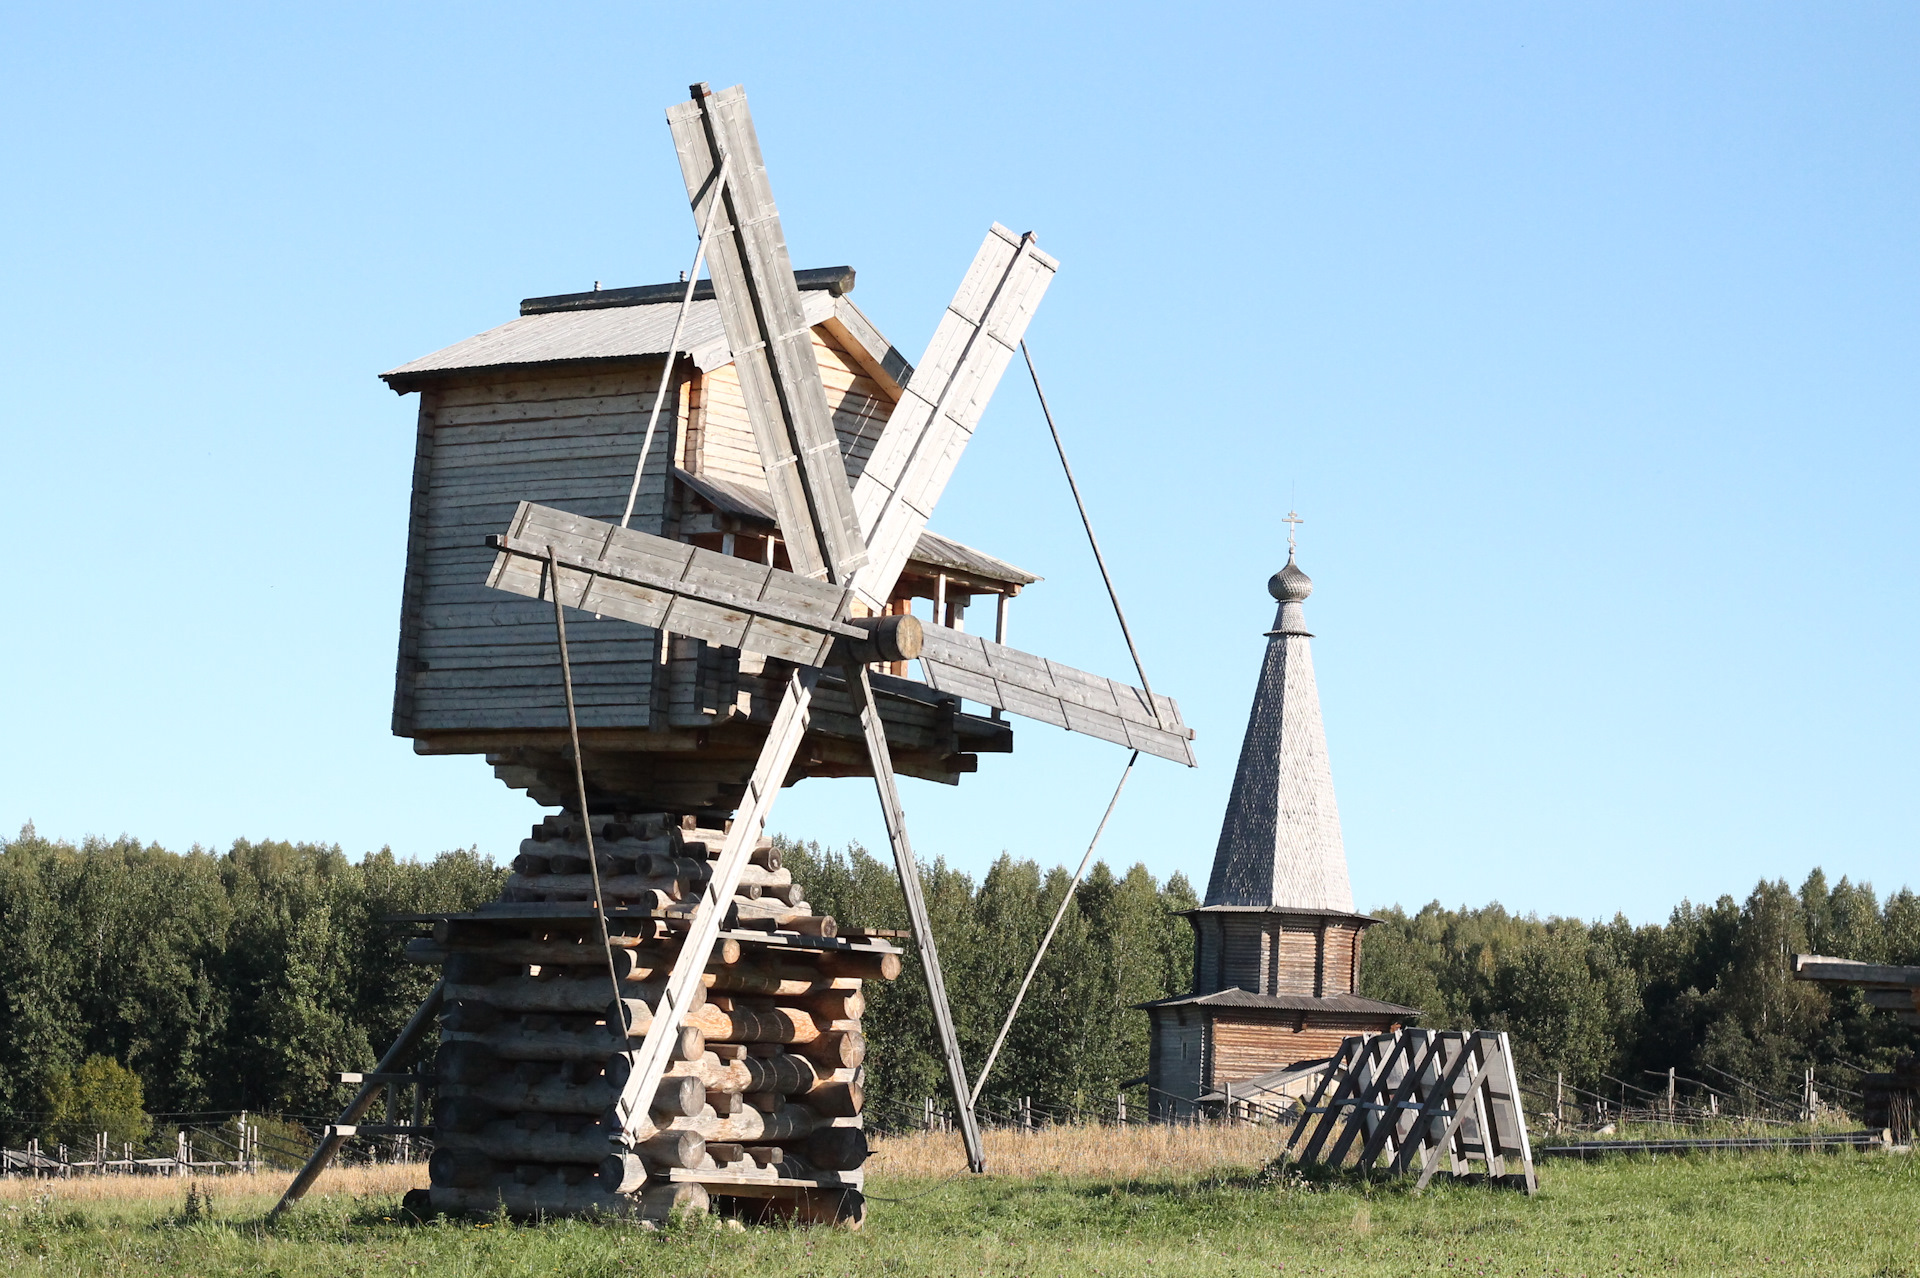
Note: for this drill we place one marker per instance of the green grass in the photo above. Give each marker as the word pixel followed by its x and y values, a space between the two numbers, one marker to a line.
pixel 1839 1214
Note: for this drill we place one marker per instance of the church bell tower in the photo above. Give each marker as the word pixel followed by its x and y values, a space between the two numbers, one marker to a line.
pixel 1277 944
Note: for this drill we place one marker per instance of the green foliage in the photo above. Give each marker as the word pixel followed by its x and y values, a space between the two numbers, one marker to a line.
pixel 242 980
pixel 1077 1038
pixel 102 1095
pixel 1710 990
pixel 222 982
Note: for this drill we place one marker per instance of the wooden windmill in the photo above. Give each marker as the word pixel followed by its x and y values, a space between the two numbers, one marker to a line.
pixel 675 891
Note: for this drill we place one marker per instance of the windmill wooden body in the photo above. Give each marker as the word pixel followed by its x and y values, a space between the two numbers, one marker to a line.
pixel 740 619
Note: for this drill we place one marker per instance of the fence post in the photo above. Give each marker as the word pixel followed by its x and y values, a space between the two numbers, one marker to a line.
pixel 1670 1094
pixel 1559 1094
pixel 1120 1107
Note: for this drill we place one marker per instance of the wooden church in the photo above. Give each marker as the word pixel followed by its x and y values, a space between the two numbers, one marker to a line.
pixel 1277 945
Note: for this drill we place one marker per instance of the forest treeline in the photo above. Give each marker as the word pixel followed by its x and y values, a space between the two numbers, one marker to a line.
pixel 243 979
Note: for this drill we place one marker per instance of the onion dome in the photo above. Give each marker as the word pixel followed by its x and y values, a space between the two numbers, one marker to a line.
pixel 1290 585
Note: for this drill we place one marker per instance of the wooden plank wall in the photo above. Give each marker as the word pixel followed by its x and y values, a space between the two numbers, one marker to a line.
pixel 1267 955
pixel 478 659
pixel 725 449
pixel 1248 1047
pixel 1207 967
pixel 1298 962
pixel 1178 1059
pixel 1246 952
pixel 1341 973
pixel 860 407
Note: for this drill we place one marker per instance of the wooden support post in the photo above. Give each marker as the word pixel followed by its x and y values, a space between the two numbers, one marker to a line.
pixel 1559 1094
pixel 881 758
pixel 1671 1098
pixel 1000 637
pixel 650 1061
pixel 330 1143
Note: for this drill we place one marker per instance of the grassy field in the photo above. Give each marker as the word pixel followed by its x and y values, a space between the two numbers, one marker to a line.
pixel 1153 1201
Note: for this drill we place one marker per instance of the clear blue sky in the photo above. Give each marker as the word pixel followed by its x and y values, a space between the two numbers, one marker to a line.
pixel 1583 336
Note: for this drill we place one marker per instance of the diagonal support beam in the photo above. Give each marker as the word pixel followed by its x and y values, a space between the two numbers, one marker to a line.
pixel 370 1087
pixel 861 689
pixel 769 774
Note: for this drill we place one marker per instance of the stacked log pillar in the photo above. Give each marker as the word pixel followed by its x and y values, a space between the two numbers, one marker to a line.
pixel 760 1112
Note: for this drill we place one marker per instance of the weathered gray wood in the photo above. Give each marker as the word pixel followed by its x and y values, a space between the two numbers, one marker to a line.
pixel 1818 967
pixel 1411 1093
pixel 768 331
pixel 413 590
pixel 641 378
pixel 877 357
pixel 896 821
pixel 329 1145
pixel 585 407
pixel 995 675
pixel 922 441
pixel 673 586
pixel 770 772
pixel 1451 1061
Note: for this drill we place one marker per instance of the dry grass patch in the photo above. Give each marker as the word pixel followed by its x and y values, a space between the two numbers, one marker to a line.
pixel 1105 1153
pixel 371 1179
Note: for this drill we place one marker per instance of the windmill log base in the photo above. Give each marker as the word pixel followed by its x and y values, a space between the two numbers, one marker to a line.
pixel 760 1113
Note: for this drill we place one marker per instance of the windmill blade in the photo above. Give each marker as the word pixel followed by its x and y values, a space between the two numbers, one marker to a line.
pixel 649 580
pixel 767 329
pixel 652 581
pixel 923 439
pixel 996 675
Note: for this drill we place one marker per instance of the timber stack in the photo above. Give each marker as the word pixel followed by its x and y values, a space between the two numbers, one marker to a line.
pixel 759 1116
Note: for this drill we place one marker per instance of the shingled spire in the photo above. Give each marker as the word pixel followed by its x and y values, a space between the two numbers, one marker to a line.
pixel 1280 845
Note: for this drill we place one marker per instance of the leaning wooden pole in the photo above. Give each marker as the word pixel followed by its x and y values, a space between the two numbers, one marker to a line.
pixel 330 1143
pixel 903 860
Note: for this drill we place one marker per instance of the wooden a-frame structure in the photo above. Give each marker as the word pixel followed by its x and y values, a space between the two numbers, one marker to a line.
pixel 1417 1097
